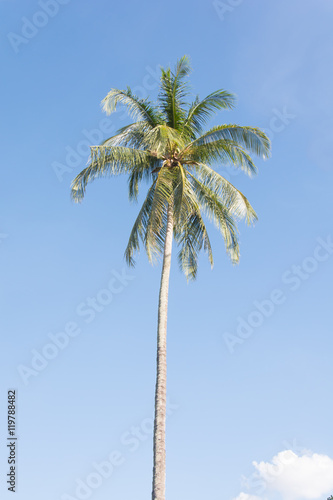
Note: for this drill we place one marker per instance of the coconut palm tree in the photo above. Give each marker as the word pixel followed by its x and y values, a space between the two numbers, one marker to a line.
pixel 166 146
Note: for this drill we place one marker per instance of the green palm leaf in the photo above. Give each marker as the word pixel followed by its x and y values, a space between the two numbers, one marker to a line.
pixel 133 135
pixel 191 239
pixel 251 138
pixel 201 111
pixel 220 215
pixel 157 218
pixel 137 108
pixel 231 197
pixel 108 161
pixel 224 152
pixel 174 90
pixel 139 229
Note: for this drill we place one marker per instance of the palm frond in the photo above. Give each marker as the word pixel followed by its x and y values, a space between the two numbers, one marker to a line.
pixel 223 151
pixel 141 172
pixel 189 228
pixel 251 138
pixel 139 229
pixel 157 219
pixel 137 108
pixel 201 111
pixel 184 198
pixel 229 195
pixel 133 135
pixel 174 90
pixel 221 216
pixel 164 140
pixel 108 161
pixel 192 236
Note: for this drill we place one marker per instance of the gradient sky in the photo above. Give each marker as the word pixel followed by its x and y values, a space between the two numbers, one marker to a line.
pixel 238 393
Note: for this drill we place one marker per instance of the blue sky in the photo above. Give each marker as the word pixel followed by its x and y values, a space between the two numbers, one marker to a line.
pixel 249 347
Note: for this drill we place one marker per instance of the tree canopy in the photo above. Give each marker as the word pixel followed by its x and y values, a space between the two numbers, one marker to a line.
pixel 167 146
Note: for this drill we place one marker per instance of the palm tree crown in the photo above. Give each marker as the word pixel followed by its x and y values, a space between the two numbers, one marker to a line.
pixel 166 146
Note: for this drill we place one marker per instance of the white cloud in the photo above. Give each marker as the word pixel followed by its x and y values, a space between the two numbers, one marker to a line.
pixel 307 476
pixel 245 496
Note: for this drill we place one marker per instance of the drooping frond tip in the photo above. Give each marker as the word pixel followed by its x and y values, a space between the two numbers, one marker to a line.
pixel 108 161
pixel 140 109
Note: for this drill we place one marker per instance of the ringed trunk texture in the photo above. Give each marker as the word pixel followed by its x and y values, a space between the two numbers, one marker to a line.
pixel 161 368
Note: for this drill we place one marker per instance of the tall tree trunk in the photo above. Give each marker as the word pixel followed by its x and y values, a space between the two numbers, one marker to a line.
pixel 161 368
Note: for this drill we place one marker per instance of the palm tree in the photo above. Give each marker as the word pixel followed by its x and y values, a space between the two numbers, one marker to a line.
pixel 166 146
